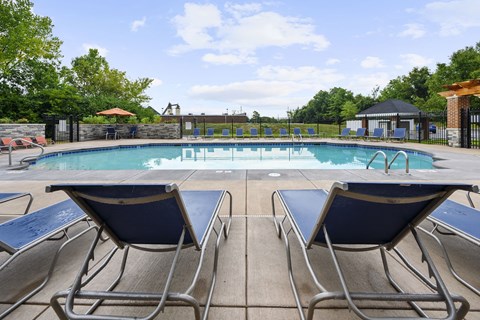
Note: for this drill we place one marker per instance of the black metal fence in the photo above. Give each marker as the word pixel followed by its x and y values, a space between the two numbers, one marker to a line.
pixel 62 128
pixel 470 129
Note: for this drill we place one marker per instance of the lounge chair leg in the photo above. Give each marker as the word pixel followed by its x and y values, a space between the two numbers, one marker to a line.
pixel 275 222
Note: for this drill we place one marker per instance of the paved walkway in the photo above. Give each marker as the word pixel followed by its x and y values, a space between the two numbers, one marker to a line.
pixel 252 281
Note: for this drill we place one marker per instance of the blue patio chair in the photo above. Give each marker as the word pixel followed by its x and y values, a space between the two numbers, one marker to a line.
pixel 355 217
pixel 283 133
pixel 455 219
pixel 311 132
pixel 268 133
pixel 376 135
pixel 153 218
pixel 345 133
pixel 196 133
pixel 133 132
pixel 399 134
pixel 225 133
pixel 297 133
pixel 210 132
pixel 360 133
pixel 253 133
pixel 239 133
pixel 25 232
pixel 111 132
pixel 6 197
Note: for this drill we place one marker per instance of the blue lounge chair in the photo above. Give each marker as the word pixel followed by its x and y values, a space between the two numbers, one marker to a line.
pixel 297 133
pixel 111 132
pixel 133 132
pixel 355 217
pixel 268 133
pixel 253 133
pixel 225 133
pixel 6 197
pixel 455 219
pixel 239 133
pixel 360 134
pixel 399 134
pixel 283 133
pixel 27 231
pixel 196 133
pixel 210 132
pixel 376 135
pixel 152 218
pixel 311 132
pixel 345 133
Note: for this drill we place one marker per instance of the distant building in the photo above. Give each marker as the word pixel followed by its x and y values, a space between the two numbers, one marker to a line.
pixel 173 112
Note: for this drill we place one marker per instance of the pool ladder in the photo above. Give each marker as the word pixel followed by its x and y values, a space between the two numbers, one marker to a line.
pixel 387 164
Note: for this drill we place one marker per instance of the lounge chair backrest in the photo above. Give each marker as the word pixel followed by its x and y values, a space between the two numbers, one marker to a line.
pixel 345 132
pixel 196 132
pixel 361 132
pixel 253 132
pixel 268 132
pixel 210 131
pixel 377 132
pixel 311 131
pixel 377 213
pixel 399 133
pixel 157 210
pixel 110 130
pixel 296 131
pixel 283 131
pixel 239 132
pixel 225 132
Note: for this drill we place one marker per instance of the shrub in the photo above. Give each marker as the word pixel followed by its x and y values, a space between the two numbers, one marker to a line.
pixel 6 120
pixel 22 120
pixel 95 120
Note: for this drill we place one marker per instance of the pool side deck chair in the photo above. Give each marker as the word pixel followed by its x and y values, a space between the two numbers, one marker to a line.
pixel 210 132
pixel 111 132
pixel 196 133
pixel 360 133
pixel 297 134
pixel 311 133
pixel 253 133
pixel 376 135
pixel 225 133
pixel 455 219
pixel 399 134
pixel 25 232
pixel 6 197
pixel 153 218
pixel 283 133
pixel 361 216
pixel 239 133
pixel 268 133
pixel 345 133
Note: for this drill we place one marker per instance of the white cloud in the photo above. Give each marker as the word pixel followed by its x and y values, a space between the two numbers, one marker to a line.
pixel 413 30
pixel 364 84
pixel 372 62
pixel 229 59
pixel 248 29
pixel 138 23
pixel 101 50
pixel 332 61
pixel 306 74
pixel 156 82
pixel 415 60
pixel 453 16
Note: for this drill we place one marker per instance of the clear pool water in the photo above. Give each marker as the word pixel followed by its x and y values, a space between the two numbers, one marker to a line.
pixel 227 156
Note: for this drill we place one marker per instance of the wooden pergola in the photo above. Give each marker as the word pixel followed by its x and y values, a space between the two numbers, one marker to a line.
pixel 464 88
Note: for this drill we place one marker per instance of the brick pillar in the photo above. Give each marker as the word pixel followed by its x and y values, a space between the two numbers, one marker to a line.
pixel 454 106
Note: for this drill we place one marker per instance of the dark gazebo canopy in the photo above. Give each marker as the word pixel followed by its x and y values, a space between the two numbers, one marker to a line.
pixel 391 107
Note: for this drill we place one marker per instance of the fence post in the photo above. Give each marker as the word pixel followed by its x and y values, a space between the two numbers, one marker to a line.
pixel 70 128
pixel 260 126
pixel 232 127
pixel 419 127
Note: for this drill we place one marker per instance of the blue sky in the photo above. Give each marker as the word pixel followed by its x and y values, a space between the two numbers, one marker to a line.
pixel 271 56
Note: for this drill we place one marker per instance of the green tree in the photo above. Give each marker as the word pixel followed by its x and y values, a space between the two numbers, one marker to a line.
pixel 349 110
pixel 255 116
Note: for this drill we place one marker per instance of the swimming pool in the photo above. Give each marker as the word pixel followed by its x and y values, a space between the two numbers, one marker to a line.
pixel 227 156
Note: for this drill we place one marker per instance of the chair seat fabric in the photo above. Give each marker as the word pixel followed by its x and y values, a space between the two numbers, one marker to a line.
pixel 458 217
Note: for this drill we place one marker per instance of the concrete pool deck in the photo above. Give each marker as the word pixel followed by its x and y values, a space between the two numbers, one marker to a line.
pixel 252 281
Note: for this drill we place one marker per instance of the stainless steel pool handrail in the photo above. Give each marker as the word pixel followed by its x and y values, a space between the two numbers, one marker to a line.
pixel 407 161
pixel 384 157
pixel 10 149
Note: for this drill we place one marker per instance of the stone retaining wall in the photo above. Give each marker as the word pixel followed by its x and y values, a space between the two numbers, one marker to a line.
pixel 20 130
pixel 144 131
